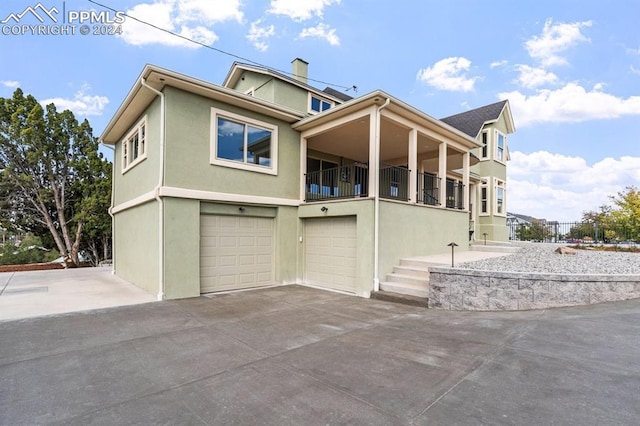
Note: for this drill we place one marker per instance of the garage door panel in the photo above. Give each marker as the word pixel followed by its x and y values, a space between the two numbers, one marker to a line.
pixel 235 252
pixel 330 252
pixel 227 261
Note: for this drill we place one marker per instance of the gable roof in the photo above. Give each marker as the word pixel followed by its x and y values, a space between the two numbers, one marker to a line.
pixel 471 122
pixel 236 70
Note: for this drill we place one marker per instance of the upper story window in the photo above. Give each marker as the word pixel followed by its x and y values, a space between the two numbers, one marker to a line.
pixel 500 197
pixel 500 146
pixel 134 145
pixel 484 199
pixel 243 143
pixel 317 104
pixel 484 151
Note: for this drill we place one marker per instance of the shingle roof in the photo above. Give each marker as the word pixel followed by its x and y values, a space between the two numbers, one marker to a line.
pixel 471 122
pixel 336 94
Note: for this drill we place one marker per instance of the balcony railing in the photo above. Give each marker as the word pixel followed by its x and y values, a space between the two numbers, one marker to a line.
pixel 455 191
pixel 349 181
pixel 394 182
pixel 428 189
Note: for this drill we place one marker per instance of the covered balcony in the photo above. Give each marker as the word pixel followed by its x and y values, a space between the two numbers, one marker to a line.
pixel 386 149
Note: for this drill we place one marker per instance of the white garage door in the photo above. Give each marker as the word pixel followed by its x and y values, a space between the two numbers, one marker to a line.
pixel 330 253
pixel 235 252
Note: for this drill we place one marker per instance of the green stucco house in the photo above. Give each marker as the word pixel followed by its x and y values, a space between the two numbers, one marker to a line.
pixel 265 180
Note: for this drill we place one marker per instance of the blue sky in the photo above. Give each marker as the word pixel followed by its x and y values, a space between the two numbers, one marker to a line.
pixel 571 70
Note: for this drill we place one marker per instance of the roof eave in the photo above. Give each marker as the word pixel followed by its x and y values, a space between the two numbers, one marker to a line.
pixel 378 97
pixel 159 78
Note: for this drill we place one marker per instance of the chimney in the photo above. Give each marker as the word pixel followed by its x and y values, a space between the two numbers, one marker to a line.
pixel 300 69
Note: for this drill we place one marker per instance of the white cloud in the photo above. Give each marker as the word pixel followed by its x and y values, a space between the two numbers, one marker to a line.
pixel 258 36
pixel 323 32
pixel 569 104
pixel 555 39
pixel 497 64
pixel 300 10
pixel 531 77
pixel 189 18
pixel 635 70
pixel 11 84
pixel 559 187
pixel 633 51
pixel 449 74
pixel 82 103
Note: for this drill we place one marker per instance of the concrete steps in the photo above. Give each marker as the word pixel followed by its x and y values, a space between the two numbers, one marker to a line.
pixel 410 278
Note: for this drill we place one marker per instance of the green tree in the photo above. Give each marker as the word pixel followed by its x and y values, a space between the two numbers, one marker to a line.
pixel 627 215
pixel 52 177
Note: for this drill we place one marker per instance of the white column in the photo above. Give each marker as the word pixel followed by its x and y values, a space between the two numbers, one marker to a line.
pixel 442 173
pixel 413 165
pixel 466 158
pixel 303 168
pixel 374 140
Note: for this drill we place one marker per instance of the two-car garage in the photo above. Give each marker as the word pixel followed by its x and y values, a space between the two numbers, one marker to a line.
pixel 238 252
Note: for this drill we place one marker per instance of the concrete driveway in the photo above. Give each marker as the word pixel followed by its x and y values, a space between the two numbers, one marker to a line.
pixel 293 355
pixel 36 293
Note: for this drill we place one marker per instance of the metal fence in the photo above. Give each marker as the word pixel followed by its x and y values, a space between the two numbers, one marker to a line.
pixel 572 232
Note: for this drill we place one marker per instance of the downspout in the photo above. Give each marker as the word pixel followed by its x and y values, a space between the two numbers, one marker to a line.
pixel 161 292
pixel 110 211
pixel 376 209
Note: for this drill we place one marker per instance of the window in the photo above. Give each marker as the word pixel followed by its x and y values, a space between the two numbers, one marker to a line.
pixel 317 104
pixel 484 151
pixel 484 199
pixel 500 197
pixel 243 143
pixel 500 145
pixel 134 145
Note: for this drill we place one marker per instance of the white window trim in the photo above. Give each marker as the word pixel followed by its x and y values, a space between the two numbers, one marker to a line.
pixel 484 184
pixel 504 147
pixel 125 141
pixel 215 113
pixel 486 133
pixel 499 183
pixel 313 95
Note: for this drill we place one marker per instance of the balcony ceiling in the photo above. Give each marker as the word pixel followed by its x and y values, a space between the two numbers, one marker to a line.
pixel 352 141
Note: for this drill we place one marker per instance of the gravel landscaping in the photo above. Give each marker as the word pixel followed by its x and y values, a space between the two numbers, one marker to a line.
pixel 541 257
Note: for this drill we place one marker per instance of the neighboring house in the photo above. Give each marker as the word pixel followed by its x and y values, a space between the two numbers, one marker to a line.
pixel 514 221
pixel 267 180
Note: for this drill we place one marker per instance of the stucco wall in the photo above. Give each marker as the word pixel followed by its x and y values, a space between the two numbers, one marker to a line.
pixel 464 289
pixel 136 246
pixel 188 147
pixel 409 230
pixel 143 177
pixel 181 248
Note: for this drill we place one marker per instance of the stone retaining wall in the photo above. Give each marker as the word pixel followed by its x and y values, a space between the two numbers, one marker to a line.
pixel 467 289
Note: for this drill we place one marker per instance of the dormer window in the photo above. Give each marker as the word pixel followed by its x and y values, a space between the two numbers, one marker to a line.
pixel 317 104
